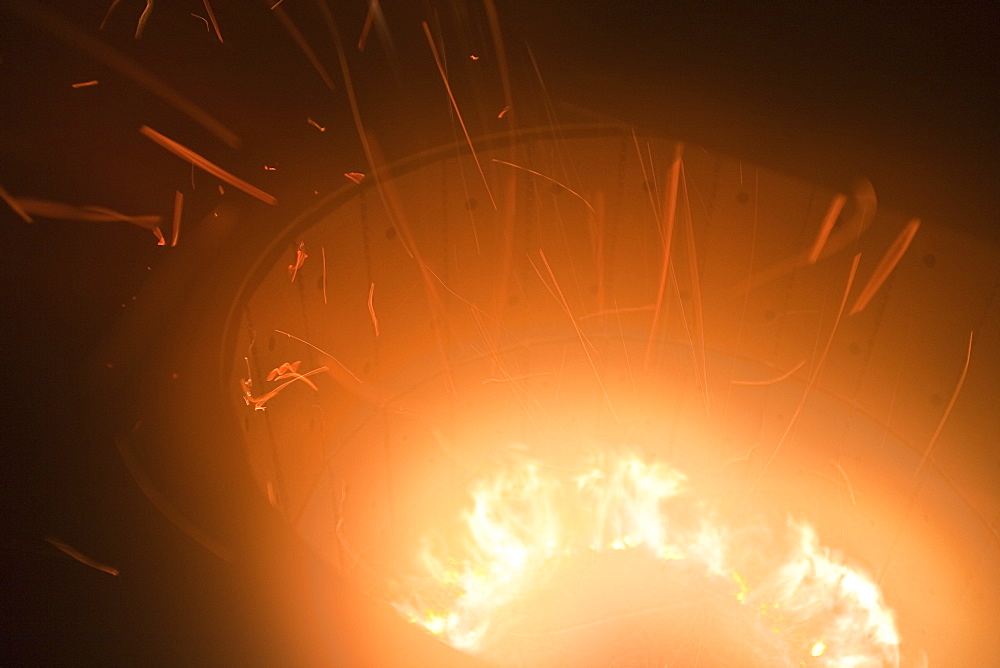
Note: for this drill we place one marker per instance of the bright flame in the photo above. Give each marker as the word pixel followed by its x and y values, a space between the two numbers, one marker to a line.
pixel 526 523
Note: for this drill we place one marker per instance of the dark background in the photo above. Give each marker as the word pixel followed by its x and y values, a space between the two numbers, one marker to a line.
pixel 905 94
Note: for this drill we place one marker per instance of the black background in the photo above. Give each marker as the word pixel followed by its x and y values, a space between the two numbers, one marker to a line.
pixel 902 93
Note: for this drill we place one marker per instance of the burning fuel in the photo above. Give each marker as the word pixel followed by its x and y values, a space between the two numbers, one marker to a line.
pixel 478 586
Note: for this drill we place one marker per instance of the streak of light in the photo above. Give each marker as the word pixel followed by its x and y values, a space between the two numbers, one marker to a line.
pixel 211 17
pixel 547 178
pixel 814 376
pixel 772 381
pixel 85 84
pixel 503 112
pixel 373 8
pixel 850 487
pixel 322 252
pixel 925 457
pixel 95 214
pixel 497 37
pixel 160 502
pixel 316 125
pixel 371 307
pixel 73 36
pixel 258 402
pixel 303 45
pixel 947 410
pixel 204 20
pixel 514 379
pixel 650 192
pixel 187 154
pixel 847 234
pixel 357 177
pixel 458 114
pixel 617 311
pixel 143 19
pixel 886 265
pixel 291 370
pixel 107 14
pixel 160 240
pixel 832 213
pixel 667 226
pixel 696 299
pixel 73 553
pixel 175 226
pixel 300 259
pixel 389 199
pixel 275 5
pixel 557 292
pixel 14 205
pixel 323 352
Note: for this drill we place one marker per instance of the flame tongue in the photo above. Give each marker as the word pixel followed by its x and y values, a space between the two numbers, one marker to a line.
pixel 593 563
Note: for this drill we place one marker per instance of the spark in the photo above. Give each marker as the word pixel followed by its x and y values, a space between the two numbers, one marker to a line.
pixel 850 488
pixel 258 402
pixel 143 18
pixel 303 45
pixel 269 168
pixel 290 370
pixel 73 36
pixel 696 299
pixel 195 159
pixel 316 125
pixel 386 194
pixel 371 307
pixel 373 9
pixel 558 293
pixel 503 112
pixel 204 20
pixel 669 213
pixel 97 214
pixel 650 192
pixel 836 206
pixel 175 227
pixel 275 5
pixel 322 252
pixel 814 376
pixel 616 311
pixel 14 205
pixel 107 14
pixel 947 410
pixel 847 234
pixel 160 241
pixel 85 84
pixel 211 17
pixel 300 259
pixel 886 265
pixel 357 177
pixel 79 556
pixel 514 379
pixel 458 114
pixel 772 381
pixel 323 352
pixel 547 178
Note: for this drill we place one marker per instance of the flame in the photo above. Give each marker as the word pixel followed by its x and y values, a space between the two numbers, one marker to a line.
pixel 528 522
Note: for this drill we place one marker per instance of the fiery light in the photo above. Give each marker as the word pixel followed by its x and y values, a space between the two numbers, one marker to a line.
pixel 477 585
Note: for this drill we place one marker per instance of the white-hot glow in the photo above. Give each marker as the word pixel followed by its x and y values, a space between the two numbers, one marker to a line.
pixel 528 521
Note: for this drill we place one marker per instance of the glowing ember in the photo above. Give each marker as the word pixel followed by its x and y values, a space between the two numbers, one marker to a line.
pixel 529 531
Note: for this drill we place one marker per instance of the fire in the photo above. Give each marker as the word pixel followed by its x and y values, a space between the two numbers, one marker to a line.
pixel 478 588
